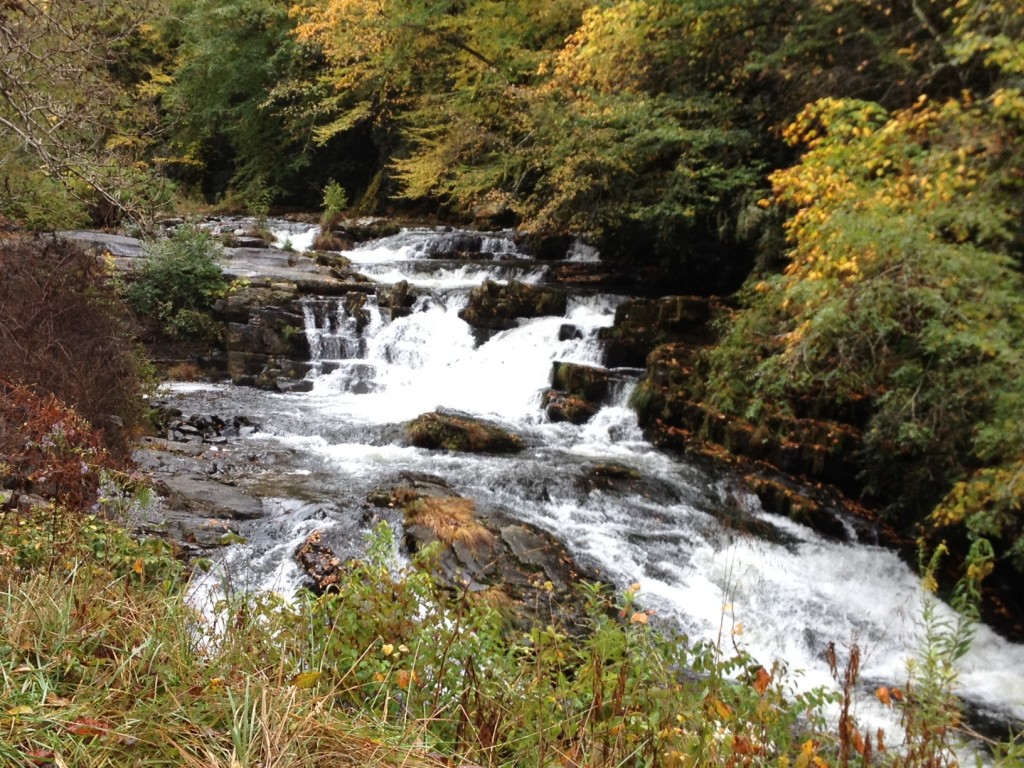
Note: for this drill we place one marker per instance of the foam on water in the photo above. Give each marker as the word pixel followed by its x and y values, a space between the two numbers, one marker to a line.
pixel 783 597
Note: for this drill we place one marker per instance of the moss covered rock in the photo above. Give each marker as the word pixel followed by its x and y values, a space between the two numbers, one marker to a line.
pixel 458 432
pixel 496 307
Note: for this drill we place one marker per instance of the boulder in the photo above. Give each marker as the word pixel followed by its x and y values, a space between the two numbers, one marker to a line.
pixel 355 305
pixel 319 562
pixel 396 298
pixel 524 571
pixel 458 432
pixel 569 332
pixel 562 407
pixel 578 391
pixel 585 382
pixel 642 324
pixel 245 241
pixel 493 306
pixel 545 246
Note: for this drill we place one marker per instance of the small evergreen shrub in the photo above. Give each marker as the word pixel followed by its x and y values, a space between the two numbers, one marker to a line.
pixel 179 282
pixel 335 201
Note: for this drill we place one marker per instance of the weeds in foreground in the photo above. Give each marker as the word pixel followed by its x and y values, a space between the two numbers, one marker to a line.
pixel 104 662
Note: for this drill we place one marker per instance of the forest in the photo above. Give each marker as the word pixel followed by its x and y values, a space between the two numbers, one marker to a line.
pixel 847 176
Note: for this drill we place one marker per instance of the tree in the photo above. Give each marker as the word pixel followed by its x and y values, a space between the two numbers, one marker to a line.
pixel 639 143
pixel 902 293
pixel 439 86
pixel 234 124
pixel 71 127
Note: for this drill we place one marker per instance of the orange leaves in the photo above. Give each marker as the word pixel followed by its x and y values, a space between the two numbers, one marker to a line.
pixel 888 695
pixel 720 708
pixel 40 756
pixel 404 678
pixel 52 447
pixel 89 727
pixel 762 679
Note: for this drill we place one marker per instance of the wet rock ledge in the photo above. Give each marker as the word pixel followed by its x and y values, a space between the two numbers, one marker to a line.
pixel 203 470
pixel 518 568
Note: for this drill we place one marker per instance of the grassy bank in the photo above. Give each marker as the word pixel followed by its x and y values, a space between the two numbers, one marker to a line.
pixel 105 662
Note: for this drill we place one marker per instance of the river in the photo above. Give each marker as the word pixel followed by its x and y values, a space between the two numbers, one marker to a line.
pixel 784 596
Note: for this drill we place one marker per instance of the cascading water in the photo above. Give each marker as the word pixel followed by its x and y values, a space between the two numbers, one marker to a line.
pixel 785 595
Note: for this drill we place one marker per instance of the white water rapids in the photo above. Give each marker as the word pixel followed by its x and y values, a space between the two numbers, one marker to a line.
pixel 781 597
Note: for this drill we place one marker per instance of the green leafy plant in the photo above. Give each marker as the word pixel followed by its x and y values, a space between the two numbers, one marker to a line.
pixel 931 714
pixel 335 201
pixel 900 301
pixel 178 283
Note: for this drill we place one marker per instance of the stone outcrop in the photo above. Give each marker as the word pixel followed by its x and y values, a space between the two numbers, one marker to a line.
pixel 822 451
pixel 545 246
pixel 560 406
pixel 264 338
pixel 265 343
pixel 578 391
pixel 522 570
pixel 785 461
pixel 451 431
pixel 319 562
pixel 587 382
pixel 496 307
pixel 342 234
pixel 642 324
pixel 396 298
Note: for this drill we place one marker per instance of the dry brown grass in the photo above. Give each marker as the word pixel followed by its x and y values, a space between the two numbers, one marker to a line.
pixel 185 371
pixel 451 519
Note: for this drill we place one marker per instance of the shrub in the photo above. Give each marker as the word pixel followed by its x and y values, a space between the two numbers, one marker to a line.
pixel 62 331
pixel 335 201
pixel 902 291
pixel 179 282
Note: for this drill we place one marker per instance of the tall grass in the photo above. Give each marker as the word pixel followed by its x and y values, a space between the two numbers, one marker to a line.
pixel 104 662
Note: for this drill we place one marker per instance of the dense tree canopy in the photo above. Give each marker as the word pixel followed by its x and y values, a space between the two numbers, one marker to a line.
pixel 901 288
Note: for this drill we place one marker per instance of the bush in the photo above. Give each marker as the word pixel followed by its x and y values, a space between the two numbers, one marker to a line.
pixel 63 332
pixel 335 201
pixel 902 290
pixel 179 282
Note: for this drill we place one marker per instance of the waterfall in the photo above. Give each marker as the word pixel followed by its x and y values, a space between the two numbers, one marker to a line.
pixel 783 596
pixel 337 333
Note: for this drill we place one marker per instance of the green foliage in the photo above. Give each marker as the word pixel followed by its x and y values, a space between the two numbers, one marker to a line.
pixel 932 713
pixel 38 201
pixel 178 283
pixel 334 202
pixel 617 691
pixel 234 127
pixel 630 169
pixel 989 35
pixel 70 116
pixel 105 660
pixel 900 289
pixel 646 124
